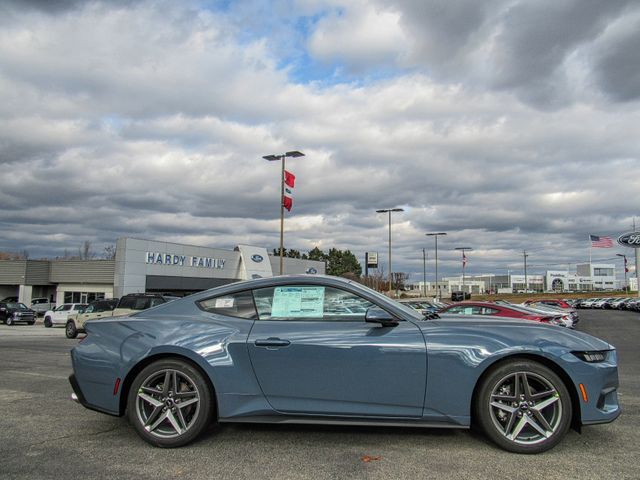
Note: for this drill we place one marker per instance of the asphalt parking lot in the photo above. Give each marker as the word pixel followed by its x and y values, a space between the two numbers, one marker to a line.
pixel 45 435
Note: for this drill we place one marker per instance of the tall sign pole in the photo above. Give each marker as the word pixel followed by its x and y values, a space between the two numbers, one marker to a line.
pixel 632 240
pixel 424 271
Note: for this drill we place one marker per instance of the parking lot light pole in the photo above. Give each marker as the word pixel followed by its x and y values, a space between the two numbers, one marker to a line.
pixel 389 210
pixel 463 249
pixel 272 158
pixel 624 268
pixel 436 235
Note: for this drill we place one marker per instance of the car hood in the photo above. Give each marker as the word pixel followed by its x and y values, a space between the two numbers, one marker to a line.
pixel 518 330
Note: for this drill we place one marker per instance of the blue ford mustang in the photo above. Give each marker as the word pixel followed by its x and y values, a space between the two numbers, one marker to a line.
pixel 316 349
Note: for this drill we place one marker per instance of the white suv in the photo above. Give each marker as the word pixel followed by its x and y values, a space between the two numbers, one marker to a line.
pixel 59 315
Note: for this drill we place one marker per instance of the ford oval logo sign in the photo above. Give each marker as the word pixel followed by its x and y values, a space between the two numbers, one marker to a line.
pixel 312 271
pixel 257 258
pixel 631 239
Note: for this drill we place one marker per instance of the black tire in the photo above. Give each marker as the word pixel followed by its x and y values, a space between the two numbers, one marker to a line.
pixel 47 321
pixel 70 329
pixel 545 404
pixel 196 417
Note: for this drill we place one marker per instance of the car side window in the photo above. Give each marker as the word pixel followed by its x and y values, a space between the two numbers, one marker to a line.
pixel 90 309
pixel 455 310
pixel 489 311
pixel 238 305
pixel 310 303
pixel 65 307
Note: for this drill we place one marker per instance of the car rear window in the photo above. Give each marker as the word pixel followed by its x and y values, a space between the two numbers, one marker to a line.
pixel 239 304
pixel 140 303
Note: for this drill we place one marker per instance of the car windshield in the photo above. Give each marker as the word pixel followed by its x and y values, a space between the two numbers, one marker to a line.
pixel 406 309
pixel 17 306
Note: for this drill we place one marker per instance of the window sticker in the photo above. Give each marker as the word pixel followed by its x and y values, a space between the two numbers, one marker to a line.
pixel 224 302
pixel 298 302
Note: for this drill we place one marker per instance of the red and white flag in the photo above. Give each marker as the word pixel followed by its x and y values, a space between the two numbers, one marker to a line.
pixel 289 182
pixel 600 242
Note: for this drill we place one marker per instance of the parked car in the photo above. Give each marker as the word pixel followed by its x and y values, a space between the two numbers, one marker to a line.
pixel 16 312
pixel 268 350
pixel 492 309
pixel 60 314
pixel 588 302
pixel 421 305
pixel 600 302
pixel 553 302
pixel 549 306
pixel 74 323
pixel 131 303
pixel 41 305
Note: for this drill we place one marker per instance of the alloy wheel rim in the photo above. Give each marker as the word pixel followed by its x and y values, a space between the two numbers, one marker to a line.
pixel 525 408
pixel 168 403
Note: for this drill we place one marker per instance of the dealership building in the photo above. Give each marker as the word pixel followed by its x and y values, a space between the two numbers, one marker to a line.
pixel 143 266
pixel 587 277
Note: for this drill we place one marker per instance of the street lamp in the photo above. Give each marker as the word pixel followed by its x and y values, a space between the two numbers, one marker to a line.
pixel 624 268
pixel 436 235
pixel 389 210
pixel 464 261
pixel 273 158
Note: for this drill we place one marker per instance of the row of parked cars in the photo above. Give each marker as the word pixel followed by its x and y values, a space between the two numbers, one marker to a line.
pixel 73 316
pixel 618 303
pixel 552 311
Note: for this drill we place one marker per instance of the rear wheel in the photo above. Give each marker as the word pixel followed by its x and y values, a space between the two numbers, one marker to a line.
pixel 170 403
pixel 70 329
pixel 524 407
pixel 47 321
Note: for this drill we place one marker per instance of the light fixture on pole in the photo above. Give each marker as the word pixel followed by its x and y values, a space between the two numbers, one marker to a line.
pixel 464 263
pixel 436 235
pixel 273 158
pixel 624 257
pixel 389 210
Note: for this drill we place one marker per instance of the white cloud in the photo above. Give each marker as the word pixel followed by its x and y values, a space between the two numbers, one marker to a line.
pixel 151 121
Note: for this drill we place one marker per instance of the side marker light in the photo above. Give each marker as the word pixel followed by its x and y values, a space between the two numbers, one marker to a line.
pixel 584 393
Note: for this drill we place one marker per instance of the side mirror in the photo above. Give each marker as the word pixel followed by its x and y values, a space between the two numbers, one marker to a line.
pixel 378 315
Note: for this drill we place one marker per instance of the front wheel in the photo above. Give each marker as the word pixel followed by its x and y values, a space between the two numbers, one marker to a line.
pixel 70 329
pixel 524 407
pixel 47 321
pixel 170 403
pixel 9 321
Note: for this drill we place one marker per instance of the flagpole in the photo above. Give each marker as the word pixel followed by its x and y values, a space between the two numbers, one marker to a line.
pixel 273 158
pixel 282 216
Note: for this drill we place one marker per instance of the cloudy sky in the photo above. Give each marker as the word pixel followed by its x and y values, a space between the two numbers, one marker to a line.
pixel 509 124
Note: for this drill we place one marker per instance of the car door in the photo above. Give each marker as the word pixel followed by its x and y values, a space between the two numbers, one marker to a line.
pixel 313 353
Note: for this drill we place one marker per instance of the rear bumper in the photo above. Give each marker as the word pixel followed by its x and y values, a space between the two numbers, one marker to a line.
pixel 78 397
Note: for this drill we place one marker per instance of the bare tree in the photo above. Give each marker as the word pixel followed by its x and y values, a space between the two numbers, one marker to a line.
pixel 110 252
pixel 85 252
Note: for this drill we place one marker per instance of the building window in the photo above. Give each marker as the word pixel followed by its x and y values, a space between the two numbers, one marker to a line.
pixel 82 297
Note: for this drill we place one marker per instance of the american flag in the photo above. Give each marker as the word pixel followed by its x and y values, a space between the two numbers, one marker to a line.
pixel 600 242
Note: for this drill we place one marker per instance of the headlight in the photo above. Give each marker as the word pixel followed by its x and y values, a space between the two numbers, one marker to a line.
pixel 16 314
pixel 592 357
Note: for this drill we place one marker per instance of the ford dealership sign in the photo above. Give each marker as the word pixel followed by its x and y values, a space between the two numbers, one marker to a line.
pixel 631 239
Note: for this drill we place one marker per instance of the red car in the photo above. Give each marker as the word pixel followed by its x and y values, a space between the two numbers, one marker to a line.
pixel 554 302
pixel 487 308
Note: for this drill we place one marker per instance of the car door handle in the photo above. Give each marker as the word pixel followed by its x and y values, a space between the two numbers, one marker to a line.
pixel 272 342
